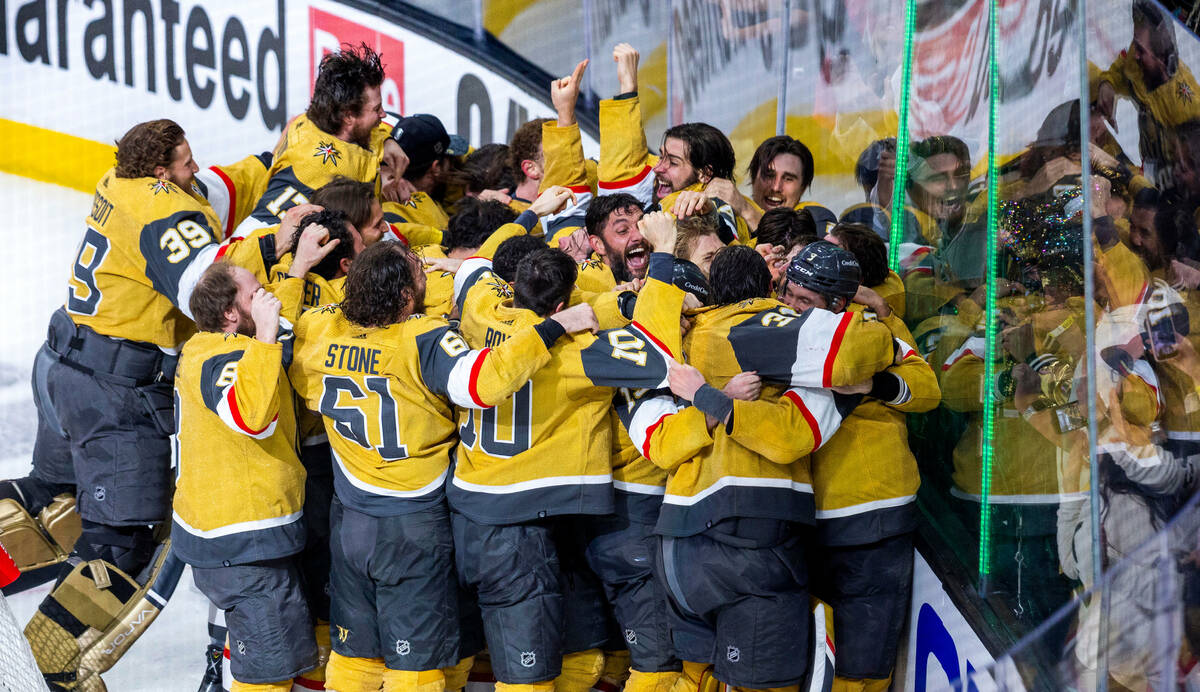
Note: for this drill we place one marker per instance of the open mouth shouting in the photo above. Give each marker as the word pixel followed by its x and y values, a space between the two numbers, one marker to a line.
pixel 637 258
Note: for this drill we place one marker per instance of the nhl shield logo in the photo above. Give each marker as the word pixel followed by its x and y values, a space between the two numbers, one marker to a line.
pixel 402 647
pixel 631 637
pixel 528 659
pixel 733 653
pixel 241 647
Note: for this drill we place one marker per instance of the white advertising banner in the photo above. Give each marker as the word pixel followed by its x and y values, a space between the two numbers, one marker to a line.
pixel 944 653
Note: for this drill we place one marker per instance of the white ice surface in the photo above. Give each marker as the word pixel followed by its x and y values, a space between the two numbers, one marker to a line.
pixel 42 227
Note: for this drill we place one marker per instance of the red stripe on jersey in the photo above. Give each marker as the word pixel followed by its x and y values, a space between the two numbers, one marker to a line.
pixel 474 380
pixel 225 248
pixel 906 355
pixel 398 234
pixel 232 198
pixel 579 189
pixel 226 653
pixel 650 336
pixel 628 182
pixel 808 416
pixel 649 433
pixel 231 397
pixel 308 684
pixel 834 347
pixel 829 643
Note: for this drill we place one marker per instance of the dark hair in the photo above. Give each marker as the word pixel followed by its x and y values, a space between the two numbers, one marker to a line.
pixel 341 79
pixel 487 168
pixel 524 146
pixel 544 280
pixel 766 152
pixel 866 169
pixel 786 227
pixel 146 146
pixel 510 253
pixel 347 195
pixel 379 285
pixel 867 247
pixel 708 149
pixel 603 206
pixel 214 293
pixel 738 273
pixel 939 144
pixel 475 221
pixel 335 221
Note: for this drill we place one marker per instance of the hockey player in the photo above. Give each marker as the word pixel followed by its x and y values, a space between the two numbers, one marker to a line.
pixel 864 480
pixel 419 217
pixel 692 155
pixel 525 468
pixel 385 379
pixel 739 475
pixel 241 537
pixel 102 387
pixel 339 134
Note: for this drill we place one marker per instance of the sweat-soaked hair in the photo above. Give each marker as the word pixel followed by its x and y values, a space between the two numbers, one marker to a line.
pixel 510 253
pixel 341 79
pixel 708 149
pixel 147 145
pixel 544 280
pixel 380 285
pixel 786 227
pixel 867 247
pixel 771 147
pixel 214 293
pixel 475 221
pixel 604 205
pixel 335 222
pixel 487 168
pixel 738 273
pixel 347 195
pixel 524 146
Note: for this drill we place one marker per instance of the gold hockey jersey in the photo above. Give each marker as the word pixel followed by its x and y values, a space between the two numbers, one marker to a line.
pixel 239 489
pixel 547 450
pixel 145 244
pixel 306 159
pixel 387 396
pixel 233 190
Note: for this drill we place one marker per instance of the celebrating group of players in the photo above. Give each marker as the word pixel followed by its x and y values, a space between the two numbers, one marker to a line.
pixel 594 409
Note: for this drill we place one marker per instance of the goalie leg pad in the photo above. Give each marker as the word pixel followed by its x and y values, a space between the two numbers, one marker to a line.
pixel 61 520
pixel 89 602
pixel 24 539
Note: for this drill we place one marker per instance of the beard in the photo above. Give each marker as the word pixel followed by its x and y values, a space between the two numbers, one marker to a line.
pixel 245 322
pixel 630 264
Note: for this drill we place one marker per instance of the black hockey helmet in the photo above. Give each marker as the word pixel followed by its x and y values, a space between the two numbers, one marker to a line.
pixel 688 277
pixel 826 269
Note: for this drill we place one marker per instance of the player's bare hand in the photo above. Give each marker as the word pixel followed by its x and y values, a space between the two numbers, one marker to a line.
pixel 691 203
pixel 684 380
pixel 634 285
pixel 446 264
pixel 626 57
pixel 395 160
pixel 500 196
pixel 554 199
pixel 723 189
pixel 311 249
pixel 691 302
pixel 659 230
pixel 868 297
pixel 264 310
pixel 1101 192
pixel 577 318
pixel 744 385
pixel 289 223
pixel 564 93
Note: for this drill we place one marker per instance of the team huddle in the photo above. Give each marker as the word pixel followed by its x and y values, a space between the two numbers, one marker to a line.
pixel 435 409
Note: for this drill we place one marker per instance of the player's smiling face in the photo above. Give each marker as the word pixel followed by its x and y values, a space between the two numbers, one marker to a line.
pixel 674 171
pixel 780 183
pixel 182 170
